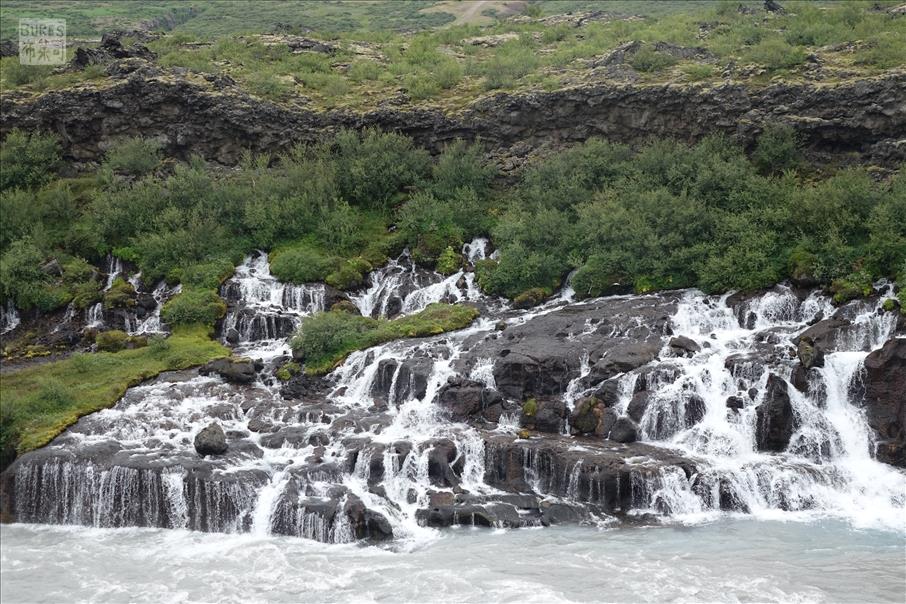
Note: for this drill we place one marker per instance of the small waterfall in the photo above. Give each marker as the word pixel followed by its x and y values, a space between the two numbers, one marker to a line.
pixel 9 317
pixel 94 316
pixel 152 323
pixel 262 308
pixel 114 270
pixel 401 287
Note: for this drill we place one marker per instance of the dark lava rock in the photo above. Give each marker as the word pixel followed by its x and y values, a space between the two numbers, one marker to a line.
pixel 735 403
pixel 211 441
pixel 624 430
pixel 638 405
pixel 885 399
pixel 231 369
pixel 547 415
pixel 608 393
pixel 775 420
pixel 809 354
pixel 467 398
pixel 624 357
pixel 683 346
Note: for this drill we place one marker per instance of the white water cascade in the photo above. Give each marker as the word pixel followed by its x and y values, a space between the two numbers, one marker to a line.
pixel 416 434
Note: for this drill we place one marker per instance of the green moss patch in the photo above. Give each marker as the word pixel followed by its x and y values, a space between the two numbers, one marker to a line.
pixel 325 339
pixel 38 403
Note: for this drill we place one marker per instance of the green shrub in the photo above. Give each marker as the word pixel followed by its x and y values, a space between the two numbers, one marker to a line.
pixel 349 276
pixel 134 156
pixel 28 160
pixel 449 261
pixel 648 60
pixel 159 345
pixel 193 306
pixel 111 341
pixel 775 54
pixel 777 149
pixel 854 285
pixel 531 297
pixel 302 264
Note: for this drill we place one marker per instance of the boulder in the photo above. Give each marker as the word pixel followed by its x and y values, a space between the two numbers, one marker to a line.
pixel 544 415
pixel 467 398
pixel 211 441
pixel 586 416
pixel 638 405
pixel 683 346
pixel 884 380
pixel 809 354
pixel 624 430
pixel 823 334
pixel 775 421
pixel 231 369
pixel 624 357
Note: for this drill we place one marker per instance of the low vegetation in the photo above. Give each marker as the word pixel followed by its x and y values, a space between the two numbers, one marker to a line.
pixel 37 403
pixel 326 338
pixel 401 50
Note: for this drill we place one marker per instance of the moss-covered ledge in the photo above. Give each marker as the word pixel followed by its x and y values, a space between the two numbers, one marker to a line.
pixel 38 403
pixel 325 339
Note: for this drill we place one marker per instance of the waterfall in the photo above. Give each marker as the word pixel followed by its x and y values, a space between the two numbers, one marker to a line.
pixel 263 308
pixel 375 450
pixel 9 317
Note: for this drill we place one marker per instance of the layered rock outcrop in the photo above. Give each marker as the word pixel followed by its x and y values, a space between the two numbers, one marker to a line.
pixel 215 119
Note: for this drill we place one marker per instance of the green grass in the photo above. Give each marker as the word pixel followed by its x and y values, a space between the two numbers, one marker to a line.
pixel 388 48
pixel 325 339
pixel 38 403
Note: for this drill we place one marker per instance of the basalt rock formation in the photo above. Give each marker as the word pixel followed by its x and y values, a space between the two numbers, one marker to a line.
pixel 212 117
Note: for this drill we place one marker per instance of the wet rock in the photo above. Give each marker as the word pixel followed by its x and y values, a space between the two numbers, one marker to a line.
pixel 735 403
pixel 608 393
pixel 467 398
pixel 809 355
pixel 638 405
pixel 884 380
pixel 544 415
pixel 624 430
pixel 775 421
pixel 624 357
pixel 683 346
pixel 586 415
pixel 231 369
pixel 824 334
pixel 211 441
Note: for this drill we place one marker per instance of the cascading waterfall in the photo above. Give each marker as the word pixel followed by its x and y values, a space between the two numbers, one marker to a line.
pixel 379 452
pixel 9 317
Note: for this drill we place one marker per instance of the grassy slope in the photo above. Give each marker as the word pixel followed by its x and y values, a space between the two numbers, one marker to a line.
pixel 328 338
pixel 40 402
pixel 442 66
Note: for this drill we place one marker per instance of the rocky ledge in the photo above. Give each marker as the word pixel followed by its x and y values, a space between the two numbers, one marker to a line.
pixel 862 120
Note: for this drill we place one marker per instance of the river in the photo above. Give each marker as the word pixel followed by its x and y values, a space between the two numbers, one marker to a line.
pixel 728 560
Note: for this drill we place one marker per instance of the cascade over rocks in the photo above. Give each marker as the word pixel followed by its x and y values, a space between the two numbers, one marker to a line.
pixel 426 432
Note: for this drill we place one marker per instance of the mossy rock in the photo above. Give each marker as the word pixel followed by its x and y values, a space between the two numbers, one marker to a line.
pixel 531 297
pixel 855 285
pixel 120 295
pixel 287 371
pixel 530 407
pixel 890 305
pixel 345 306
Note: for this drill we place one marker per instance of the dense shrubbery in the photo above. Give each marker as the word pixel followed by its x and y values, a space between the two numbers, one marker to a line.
pixel 674 216
pixel 667 216
pixel 193 306
pixel 324 339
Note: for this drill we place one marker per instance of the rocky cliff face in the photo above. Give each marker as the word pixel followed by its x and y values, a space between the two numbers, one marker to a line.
pixel 863 121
